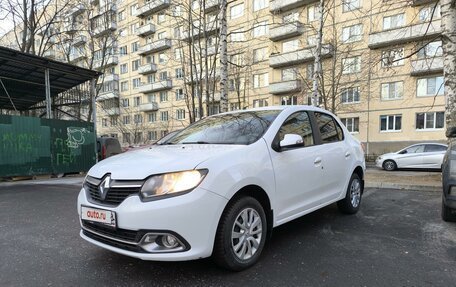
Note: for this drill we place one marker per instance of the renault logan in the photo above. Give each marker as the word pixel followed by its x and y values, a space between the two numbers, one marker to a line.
pixel 218 187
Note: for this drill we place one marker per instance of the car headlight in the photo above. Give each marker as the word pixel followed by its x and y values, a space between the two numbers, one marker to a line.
pixel 171 184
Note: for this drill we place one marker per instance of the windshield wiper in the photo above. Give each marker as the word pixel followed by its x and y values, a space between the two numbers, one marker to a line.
pixel 197 142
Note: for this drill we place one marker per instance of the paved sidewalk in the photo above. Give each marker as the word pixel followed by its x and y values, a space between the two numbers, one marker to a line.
pixel 402 179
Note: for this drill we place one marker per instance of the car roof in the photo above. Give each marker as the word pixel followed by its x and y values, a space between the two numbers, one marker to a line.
pixel 280 108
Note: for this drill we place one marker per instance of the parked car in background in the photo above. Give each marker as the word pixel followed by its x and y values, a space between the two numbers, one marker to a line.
pixel 449 180
pixel 107 146
pixel 219 186
pixel 422 155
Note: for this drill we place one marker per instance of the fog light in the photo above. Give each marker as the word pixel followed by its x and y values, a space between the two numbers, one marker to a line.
pixel 169 241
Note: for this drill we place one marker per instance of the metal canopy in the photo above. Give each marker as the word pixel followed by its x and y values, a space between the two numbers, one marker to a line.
pixel 23 76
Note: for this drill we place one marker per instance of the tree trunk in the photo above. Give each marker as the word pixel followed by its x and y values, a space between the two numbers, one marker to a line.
pixel 317 64
pixel 448 12
pixel 223 58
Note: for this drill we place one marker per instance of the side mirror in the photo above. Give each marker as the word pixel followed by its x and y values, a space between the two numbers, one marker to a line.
pixel 291 140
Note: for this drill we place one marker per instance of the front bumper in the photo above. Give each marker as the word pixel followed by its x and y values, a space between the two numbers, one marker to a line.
pixel 379 163
pixel 193 217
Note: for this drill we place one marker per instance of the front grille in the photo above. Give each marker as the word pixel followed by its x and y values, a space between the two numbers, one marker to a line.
pixel 118 233
pixel 114 196
pixel 113 243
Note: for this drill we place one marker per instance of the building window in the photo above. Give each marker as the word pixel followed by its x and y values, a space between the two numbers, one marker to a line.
pixel 350 95
pixel 152 135
pixel 289 101
pixel 177 54
pixel 124 86
pixel 152 117
pixel 179 73
pixel 126 138
pixel 426 13
pixel 123 68
pixel 114 120
pixel 352 33
pixel 126 120
pixel 433 49
pixel 234 106
pixel 164 116
pixel 122 32
pixel 237 35
pixel 313 13
pixel 180 114
pixel 260 29
pixel 134 47
pixel 260 54
pixel 163 96
pixel 161 35
pixel 352 124
pixel 123 50
pixel 136 83
pixel 161 17
pixel 392 91
pixel 213 109
pixel 163 133
pixel 162 58
pixel 260 4
pixel 260 103
pixel 136 101
pixel 430 121
pixel 133 28
pixel 121 15
pixel 288 74
pixel 237 11
pixel 133 9
pixel 394 21
pixel 137 118
pixel 114 135
pixel 432 86
pixel 393 58
pixel 290 46
pixel 125 103
pixel 179 94
pixel 350 5
pixel 390 123
pixel 104 122
pixel 351 65
pixel 135 65
pixel 163 76
pixel 261 80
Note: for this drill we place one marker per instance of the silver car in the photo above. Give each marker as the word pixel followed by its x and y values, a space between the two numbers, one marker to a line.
pixel 423 155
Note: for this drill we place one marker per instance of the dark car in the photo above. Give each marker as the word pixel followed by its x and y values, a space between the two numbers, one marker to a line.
pixel 449 179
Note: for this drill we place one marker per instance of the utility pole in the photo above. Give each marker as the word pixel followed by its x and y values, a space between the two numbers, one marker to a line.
pixel 317 63
pixel 223 57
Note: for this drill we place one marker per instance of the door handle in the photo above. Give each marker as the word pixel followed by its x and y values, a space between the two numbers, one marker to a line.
pixel 347 154
pixel 317 161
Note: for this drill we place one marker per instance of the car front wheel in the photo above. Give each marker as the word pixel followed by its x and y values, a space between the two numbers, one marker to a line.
pixel 389 165
pixel 241 235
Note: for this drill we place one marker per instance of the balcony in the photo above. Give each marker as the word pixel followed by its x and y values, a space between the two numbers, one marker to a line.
pixel 199 32
pixel 76 10
pixel 145 30
pixel 70 27
pixel 285 5
pixel 427 66
pixel 285 87
pixel 156 46
pixel 110 61
pixel 298 57
pixel 286 30
pixel 155 87
pixel 152 7
pixel 148 107
pixel 211 6
pixel 111 78
pixel 106 9
pixel 404 34
pixel 79 40
pixel 115 111
pixel 76 56
pixel 103 96
pixel 213 97
pixel 147 69
pixel 105 29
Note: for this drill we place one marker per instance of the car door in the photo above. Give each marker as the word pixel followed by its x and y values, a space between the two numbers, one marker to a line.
pixel 433 155
pixel 337 159
pixel 411 157
pixel 298 171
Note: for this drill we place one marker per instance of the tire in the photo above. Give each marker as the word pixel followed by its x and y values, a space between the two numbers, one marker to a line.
pixel 389 165
pixel 448 213
pixel 352 201
pixel 228 250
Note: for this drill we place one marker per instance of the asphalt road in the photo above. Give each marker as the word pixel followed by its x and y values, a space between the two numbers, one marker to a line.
pixel 397 239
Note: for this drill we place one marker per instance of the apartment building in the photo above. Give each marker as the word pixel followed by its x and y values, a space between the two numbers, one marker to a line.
pixel 382 67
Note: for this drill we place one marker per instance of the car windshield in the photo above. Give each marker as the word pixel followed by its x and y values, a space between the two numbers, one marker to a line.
pixel 234 128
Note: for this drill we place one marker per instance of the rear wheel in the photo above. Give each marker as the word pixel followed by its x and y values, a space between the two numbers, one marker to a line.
pixel 448 213
pixel 241 235
pixel 389 165
pixel 350 204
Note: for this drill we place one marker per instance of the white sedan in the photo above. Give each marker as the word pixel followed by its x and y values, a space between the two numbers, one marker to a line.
pixel 423 155
pixel 218 187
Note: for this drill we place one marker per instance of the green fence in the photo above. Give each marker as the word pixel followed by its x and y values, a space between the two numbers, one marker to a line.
pixel 31 146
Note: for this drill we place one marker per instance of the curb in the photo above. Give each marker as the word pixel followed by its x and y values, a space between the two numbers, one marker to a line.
pixel 386 185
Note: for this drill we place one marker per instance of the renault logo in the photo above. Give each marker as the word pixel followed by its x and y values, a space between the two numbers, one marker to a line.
pixel 104 187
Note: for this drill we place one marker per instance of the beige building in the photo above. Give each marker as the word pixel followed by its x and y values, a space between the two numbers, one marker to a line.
pixel 382 67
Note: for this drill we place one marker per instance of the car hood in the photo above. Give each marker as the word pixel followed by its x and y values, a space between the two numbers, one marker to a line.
pixel 139 164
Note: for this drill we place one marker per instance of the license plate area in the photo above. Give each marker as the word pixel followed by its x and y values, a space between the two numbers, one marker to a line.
pixel 105 217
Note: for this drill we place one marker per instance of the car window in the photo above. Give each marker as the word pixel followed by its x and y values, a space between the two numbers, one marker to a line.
pixel 330 131
pixel 415 149
pixel 298 123
pixel 434 148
